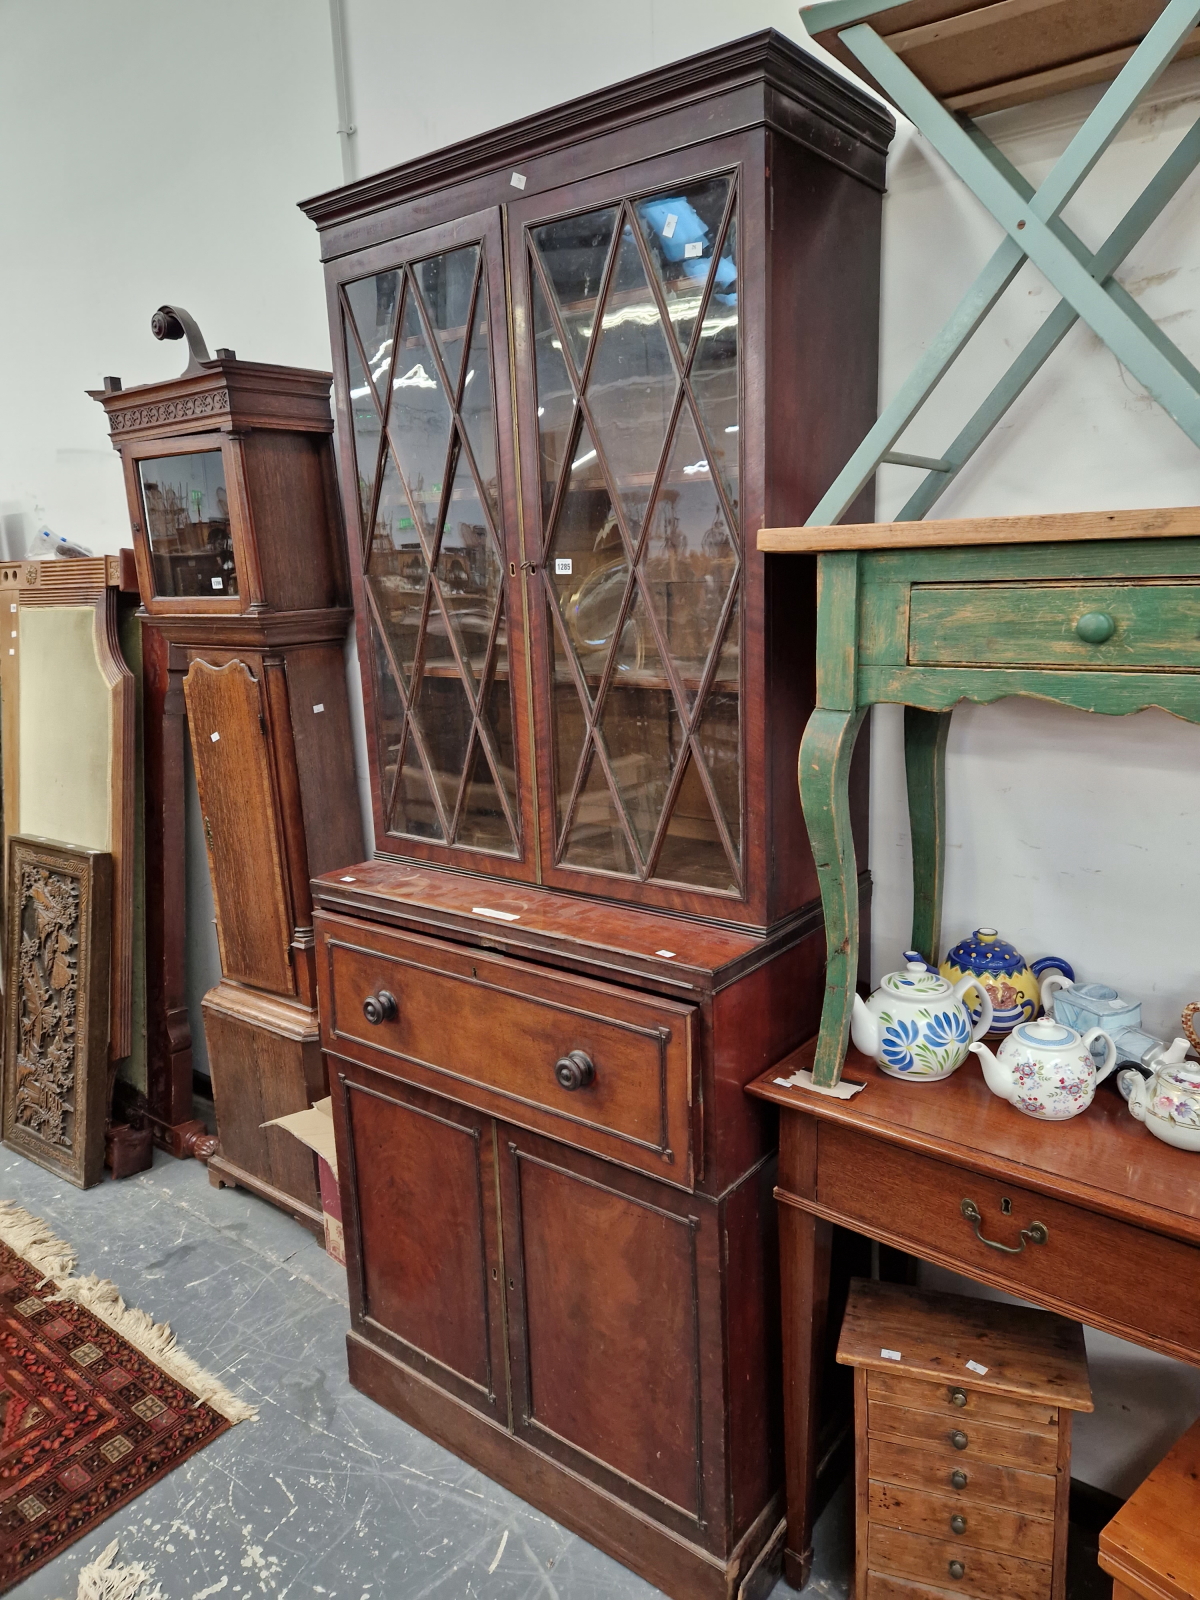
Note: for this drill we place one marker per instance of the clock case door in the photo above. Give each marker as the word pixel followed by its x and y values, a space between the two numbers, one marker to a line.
pixel 424 433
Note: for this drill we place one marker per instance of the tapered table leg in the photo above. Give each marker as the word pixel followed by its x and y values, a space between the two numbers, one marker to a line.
pixel 825 754
pixel 925 734
pixel 804 1243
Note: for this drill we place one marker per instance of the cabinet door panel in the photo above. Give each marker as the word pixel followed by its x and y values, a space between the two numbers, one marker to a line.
pixel 604 1274
pixel 422 1234
pixel 241 824
pixel 423 325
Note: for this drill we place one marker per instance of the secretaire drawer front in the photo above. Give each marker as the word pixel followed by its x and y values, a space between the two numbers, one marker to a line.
pixel 963 1440
pixel 1147 626
pixel 890 1461
pixel 954 1399
pixel 944 1516
pixel 982 1574
pixel 607 1069
pixel 925 1216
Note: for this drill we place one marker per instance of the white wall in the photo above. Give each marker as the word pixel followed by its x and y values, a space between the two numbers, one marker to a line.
pixel 155 150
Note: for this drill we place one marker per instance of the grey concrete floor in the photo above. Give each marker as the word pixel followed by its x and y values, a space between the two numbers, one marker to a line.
pixel 327 1494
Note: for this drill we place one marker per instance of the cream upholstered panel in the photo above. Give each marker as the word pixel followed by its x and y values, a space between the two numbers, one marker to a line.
pixel 66 729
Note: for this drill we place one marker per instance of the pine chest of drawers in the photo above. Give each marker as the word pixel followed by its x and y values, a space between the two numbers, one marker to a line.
pixel 962 1420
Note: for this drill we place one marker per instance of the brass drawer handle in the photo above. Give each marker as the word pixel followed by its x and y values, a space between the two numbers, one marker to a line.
pixel 958 1524
pixel 958 1479
pixel 574 1071
pixel 1035 1233
pixel 1097 627
pixel 957 1570
pixel 958 1397
pixel 959 1439
pixel 381 1007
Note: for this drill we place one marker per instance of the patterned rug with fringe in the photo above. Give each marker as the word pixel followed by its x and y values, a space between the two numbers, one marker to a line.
pixel 97 1401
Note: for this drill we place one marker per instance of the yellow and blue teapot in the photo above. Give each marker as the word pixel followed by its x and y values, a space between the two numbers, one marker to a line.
pixel 1013 984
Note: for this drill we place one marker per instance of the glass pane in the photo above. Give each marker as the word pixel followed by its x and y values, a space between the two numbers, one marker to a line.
pixel 364 417
pixel 389 712
pixel 596 839
pixel 556 397
pixel 574 251
pixel 396 571
pixel 631 386
pixel 681 232
pixel 498 715
pixel 476 411
pixel 641 727
pixel 586 562
pixel 373 306
pixel 187 522
pixel 718 732
pixel 569 721
pixel 483 824
pixel 419 419
pixel 689 559
pixel 414 811
pixel 446 283
pixel 444 714
pixel 715 368
pixel 692 851
pixel 469 573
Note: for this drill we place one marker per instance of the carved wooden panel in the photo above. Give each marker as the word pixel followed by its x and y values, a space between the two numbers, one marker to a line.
pixel 56 1043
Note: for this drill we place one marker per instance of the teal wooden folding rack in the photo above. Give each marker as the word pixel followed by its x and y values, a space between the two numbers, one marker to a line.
pixel 939 61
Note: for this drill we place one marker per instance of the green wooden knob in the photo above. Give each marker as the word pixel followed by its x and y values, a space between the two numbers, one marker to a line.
pixel 1095 628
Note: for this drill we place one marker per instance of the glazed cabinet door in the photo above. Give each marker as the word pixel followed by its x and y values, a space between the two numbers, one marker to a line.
pixel 629 332
pixel 613 1323
pixel 425 431
pixel 226 719
pixel 422 1234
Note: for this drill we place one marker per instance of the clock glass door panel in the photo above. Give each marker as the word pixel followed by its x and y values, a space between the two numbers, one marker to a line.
pixel 186 506
pixel 420 362
pixel 634 325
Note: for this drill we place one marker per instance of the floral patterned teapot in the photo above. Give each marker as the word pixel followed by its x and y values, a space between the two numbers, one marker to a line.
pixel 1012 983
pixel 915 1025
pixel 1046 1069
pixel 1169 1101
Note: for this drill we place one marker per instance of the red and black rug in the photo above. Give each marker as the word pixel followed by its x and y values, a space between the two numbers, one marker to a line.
pixel 87 1420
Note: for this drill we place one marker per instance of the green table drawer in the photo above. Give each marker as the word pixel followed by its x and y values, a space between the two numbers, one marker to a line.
pixel 1155 625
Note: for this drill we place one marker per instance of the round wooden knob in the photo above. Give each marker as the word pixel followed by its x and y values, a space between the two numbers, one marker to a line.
pixel 381 1007
pixel 958 1397
pixel 959 1440
pixel 574 1071
pixel 958 1524
pixel 958 1479
pixel 956 1569
pixel 1097 627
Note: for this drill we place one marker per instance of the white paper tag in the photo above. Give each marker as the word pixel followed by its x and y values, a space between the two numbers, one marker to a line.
pixel 668 955
pixel 517 180
pixel 562 566
pixel 690 251
pixel 320 707
pixel 803 1079
pixel 12 607
pixel 214 737
pixel 349 880
pixel 218 583
pixel 12 652
pixel 890 1355
pixel 973 1366
pixel 13 634
pixel 669 225
pixel 500 916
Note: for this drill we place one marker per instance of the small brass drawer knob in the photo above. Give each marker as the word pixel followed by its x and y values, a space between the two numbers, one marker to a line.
pixel 959 1439
pixel 1097 627
pixel 574 1071
pixel 958 1524
pixel 958 1479
pixel 957 1570
pixel 958 1397
pixel 381 1007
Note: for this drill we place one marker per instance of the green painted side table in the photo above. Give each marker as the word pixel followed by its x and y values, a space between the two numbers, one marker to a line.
pixel 1095 610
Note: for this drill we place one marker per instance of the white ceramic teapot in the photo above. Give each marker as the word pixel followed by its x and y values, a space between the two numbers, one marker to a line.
pixel 1046 1069
pixel 915 1025
pixel 1168 1102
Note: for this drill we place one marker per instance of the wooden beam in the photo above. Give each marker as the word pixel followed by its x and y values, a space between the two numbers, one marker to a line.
pixel 1178 522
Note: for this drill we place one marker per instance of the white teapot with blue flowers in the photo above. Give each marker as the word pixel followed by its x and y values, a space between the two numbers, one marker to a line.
pixel 916 1025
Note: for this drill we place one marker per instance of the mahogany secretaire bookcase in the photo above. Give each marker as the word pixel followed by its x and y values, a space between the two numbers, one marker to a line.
pixel 579 362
